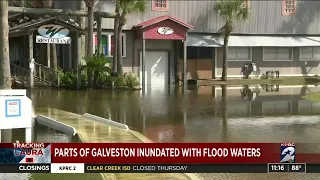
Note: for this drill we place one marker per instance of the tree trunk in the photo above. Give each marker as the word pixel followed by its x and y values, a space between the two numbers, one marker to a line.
pixel 119 50
pixel 115 47
pixel 90 32
pixel 5 79
pixel 225 57
pixel 54 59
pixel 224 112
pixel 82 7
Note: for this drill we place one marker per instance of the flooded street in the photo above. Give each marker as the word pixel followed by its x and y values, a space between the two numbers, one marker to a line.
pixel 266 114
pixel 256 114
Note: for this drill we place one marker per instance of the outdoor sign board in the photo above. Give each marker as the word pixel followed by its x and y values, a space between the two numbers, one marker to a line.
pixel 165 30
pixel 53 34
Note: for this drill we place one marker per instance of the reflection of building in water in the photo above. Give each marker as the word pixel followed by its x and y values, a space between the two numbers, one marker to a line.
pixel 272 116
pixel 285 101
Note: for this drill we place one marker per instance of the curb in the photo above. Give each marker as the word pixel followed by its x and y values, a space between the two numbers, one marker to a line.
pixel 46 121
pixel 104 176
pixel 106 121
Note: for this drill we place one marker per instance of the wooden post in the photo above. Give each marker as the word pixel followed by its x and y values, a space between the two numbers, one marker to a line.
pixel 82 23
pixel 78 59
pixel 99 33
pixel 185 66
pixel 31 60
pixel 48 56
pixel 143 67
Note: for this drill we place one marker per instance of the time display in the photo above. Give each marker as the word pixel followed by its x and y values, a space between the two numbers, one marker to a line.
pixel 278 167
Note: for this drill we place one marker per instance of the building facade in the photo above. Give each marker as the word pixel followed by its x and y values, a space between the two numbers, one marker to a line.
pixel 279 35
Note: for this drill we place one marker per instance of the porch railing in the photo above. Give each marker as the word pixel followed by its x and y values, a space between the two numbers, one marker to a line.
pixel 42 74
pixel 20 73
pixel 46 74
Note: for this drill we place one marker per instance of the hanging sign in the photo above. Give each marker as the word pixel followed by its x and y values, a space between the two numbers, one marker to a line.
pixel 53 34
pixel 165 30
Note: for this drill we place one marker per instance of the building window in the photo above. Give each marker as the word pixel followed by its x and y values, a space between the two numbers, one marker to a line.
pixel 289 7
pixel 160 5
pixel 309 54
pixel 239 54
pixel 277 54
pixel 108 44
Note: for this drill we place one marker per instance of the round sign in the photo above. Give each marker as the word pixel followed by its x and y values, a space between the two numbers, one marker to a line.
pixel 165 30
pixel 53 31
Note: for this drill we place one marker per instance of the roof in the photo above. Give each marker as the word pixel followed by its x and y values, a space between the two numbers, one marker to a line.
pixel 160 19
pixel 208 40
pixel 21 23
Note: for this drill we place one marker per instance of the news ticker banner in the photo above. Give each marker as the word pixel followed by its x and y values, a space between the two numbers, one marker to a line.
pixel 160 168
pixel 155 153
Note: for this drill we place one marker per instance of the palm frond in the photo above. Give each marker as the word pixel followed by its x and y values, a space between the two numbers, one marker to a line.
pixel 96 63
pixel 232 9
pixel 133 6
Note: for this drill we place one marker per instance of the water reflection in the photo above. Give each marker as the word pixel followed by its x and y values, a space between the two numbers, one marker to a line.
pixel 246 113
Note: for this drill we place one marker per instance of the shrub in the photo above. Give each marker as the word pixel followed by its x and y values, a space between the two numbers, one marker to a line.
pixel 96 67
pixel 132 81
pixel 120 80
pixel 68 79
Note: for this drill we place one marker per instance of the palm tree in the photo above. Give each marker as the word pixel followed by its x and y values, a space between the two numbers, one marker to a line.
pixel 5 79
pixel 231 10
pixel 90 5
pixel 123 9
pixel 95 65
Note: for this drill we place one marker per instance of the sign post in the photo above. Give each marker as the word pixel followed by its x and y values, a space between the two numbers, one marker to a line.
pixel 16 111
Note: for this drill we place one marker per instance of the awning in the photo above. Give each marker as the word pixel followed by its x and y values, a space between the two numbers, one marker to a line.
pixel 201 40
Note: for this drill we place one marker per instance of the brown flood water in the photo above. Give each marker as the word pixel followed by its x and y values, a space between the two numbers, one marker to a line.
pixel 267 114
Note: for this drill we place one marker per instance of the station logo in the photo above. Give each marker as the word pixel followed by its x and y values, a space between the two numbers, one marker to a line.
pixel 288 152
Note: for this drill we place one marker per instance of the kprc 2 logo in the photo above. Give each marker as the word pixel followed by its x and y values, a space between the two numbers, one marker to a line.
pixel 287 152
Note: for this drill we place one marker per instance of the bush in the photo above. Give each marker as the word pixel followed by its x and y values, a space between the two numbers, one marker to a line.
pixel 132 81
pixel 68 79
pixel 120 80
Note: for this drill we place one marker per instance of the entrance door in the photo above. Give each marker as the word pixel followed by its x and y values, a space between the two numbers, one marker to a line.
pixel 156 64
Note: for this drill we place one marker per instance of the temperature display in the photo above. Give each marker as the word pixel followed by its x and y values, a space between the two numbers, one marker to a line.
pixel 296 167
pixel 286 167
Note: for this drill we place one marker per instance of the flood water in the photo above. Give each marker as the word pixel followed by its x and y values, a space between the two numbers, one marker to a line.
pixel 265 114
pixel 244 114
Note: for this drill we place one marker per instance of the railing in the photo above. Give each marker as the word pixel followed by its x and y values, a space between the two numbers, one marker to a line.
pixel 41 73
pixel 46 74
pixel 20 74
